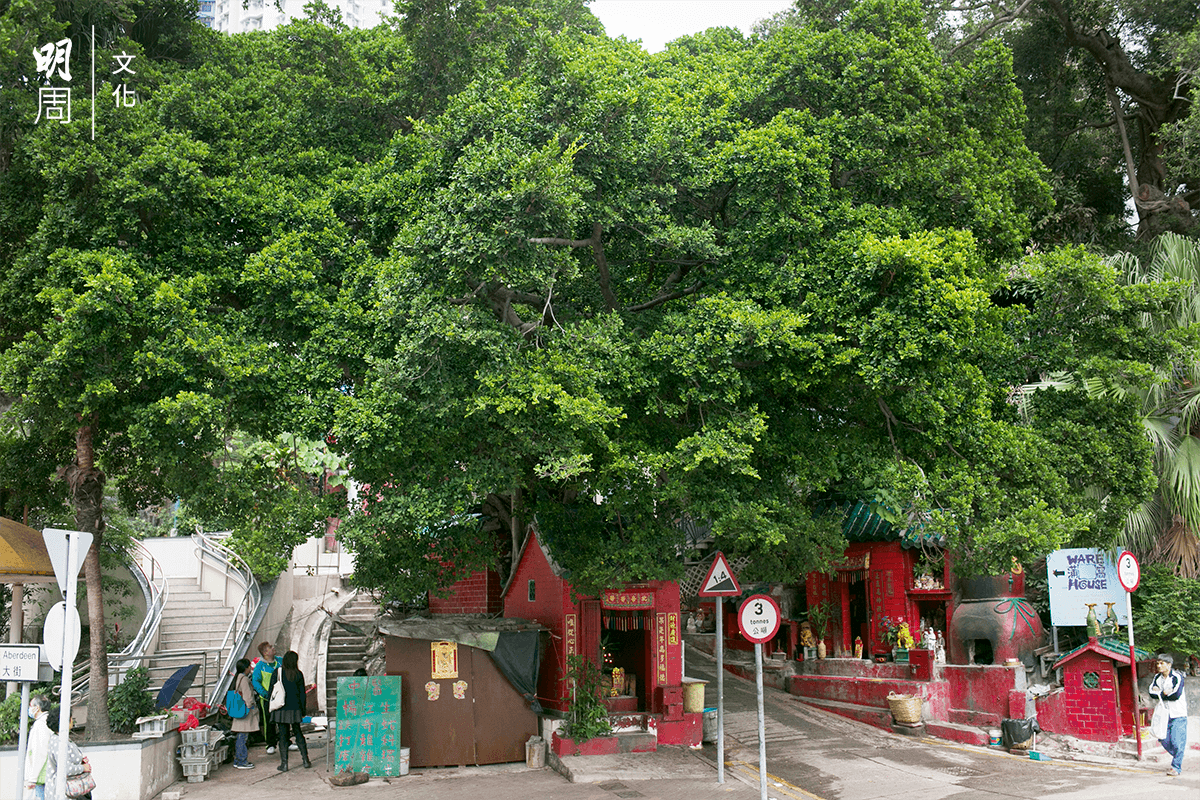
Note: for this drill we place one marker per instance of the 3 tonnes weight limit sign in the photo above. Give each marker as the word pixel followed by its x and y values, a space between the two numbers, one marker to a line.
pixel 758 618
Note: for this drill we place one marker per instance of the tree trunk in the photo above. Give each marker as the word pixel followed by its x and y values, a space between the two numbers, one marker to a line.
pixel 86 485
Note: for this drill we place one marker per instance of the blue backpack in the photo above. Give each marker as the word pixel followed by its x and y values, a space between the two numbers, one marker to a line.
pixel 235 706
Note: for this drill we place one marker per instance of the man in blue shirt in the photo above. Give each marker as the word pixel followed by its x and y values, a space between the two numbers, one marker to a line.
pixel 260 679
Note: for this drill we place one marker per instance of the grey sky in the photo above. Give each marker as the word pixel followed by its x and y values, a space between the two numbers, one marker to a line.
pixel 657 22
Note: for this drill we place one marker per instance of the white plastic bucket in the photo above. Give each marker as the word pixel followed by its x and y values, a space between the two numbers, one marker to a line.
pixel 404 760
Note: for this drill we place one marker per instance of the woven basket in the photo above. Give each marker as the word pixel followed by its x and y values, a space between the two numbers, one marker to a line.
pixel 905 707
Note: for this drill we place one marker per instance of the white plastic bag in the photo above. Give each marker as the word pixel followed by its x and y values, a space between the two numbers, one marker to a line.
pixel 277 695
pixel 1159 722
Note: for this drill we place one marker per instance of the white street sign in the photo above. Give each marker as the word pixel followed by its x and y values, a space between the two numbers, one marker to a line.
pixel 758 618
pixel 1079 576
pixel 19 662
pixel 720 580
pixel 1129 571
pixel 57 543
pixel 61 634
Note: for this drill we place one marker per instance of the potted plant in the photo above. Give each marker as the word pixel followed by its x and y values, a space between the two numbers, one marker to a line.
pixel 587 719
pixel 819 618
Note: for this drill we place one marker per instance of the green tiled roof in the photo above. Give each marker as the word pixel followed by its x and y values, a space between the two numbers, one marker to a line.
pixel 1111 646
pixel 862 524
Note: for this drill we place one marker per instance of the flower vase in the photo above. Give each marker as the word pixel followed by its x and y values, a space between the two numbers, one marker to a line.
pixel 821 648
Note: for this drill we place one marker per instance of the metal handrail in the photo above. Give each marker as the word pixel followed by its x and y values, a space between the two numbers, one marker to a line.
pixel 156 590
pixel 201 674
pixel 211 552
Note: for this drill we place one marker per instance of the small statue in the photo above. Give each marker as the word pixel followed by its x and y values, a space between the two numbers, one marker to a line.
pixel 929 639
pixel 806 635
pixel 858 647
pixel 618 682
pixel 691 623
pixel 1111 626
pixel 1093 624
pixel 939 653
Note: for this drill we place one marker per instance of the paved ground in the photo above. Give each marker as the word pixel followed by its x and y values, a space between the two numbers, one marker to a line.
pixel 810 754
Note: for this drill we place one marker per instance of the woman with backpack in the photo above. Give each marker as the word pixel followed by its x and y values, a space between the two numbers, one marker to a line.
pixel 246 724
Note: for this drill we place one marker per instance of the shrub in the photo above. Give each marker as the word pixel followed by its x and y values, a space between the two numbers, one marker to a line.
pixel 588 716
pixel 130 700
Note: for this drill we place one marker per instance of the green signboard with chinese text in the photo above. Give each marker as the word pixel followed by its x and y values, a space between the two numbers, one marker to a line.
pixel 368 725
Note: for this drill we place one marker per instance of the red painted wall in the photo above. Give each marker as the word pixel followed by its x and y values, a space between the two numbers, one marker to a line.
pixel 980 690
pixel 1091 713
pixel 889 578
pixel 552 606
pixel 478 593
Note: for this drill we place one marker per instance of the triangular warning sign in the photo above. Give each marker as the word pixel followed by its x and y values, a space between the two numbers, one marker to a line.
pixel 720 581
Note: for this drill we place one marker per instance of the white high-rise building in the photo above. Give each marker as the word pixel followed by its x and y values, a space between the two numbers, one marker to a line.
pixel 237 16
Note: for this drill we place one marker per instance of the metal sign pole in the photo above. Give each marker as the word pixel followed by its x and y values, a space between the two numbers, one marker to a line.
pixel 720 691
pixel 1137 711
pixel 64 711
pixel 762 730
pixel 22 739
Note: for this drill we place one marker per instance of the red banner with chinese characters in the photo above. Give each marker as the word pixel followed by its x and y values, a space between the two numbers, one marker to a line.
pixel 640 599
pixel 660 636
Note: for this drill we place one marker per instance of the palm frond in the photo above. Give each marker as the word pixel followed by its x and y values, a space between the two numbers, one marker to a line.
pixel 1179 547
pixel 1161 433
pixel 1142 527
pixel 1181 481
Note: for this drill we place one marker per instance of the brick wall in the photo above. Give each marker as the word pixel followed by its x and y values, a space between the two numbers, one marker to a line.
pixel 478 593
pixel 550 606
pixel 1091 713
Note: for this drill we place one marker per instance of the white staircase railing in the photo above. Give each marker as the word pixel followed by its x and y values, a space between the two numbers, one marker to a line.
pixel 155 588
pixel 222 568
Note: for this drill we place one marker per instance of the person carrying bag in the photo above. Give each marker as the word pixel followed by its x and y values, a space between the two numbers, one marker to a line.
pixel 79 779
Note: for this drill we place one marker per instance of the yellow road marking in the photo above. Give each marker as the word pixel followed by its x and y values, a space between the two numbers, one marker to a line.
pixel 782 787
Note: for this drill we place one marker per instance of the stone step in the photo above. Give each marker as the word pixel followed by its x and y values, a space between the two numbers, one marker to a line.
pixel 197 627
pixel 193 610
pixel 637 742
pixel 872 715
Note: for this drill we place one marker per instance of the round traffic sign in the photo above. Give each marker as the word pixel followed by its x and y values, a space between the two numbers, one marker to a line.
pixel 1129 572
pixel 758 618
pixel 60 635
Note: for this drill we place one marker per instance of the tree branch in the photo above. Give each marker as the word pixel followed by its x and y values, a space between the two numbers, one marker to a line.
pixel 559 242
pixel 610 300
pixel 663 298
pixel 995 23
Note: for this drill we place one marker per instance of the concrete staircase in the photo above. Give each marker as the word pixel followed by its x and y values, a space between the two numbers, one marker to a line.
pixel 191 620
pixel 347 650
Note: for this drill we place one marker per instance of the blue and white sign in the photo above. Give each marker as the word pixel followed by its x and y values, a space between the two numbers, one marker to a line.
pixel 1079 576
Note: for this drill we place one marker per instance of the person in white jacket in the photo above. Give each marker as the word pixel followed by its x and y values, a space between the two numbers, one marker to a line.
pixel 38 748
pixel 1167 688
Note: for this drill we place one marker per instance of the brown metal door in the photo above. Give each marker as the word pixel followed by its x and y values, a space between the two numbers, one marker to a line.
pixel 503 720
pixel 437 726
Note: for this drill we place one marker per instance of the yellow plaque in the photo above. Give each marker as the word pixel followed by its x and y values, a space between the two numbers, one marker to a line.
pixel 444 656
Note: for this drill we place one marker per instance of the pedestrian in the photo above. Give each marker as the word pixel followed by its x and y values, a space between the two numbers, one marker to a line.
pixel 246 725
pixel 292 713
pixel 77 762
pixel 264 672
pixel 1167 688
pixel 37 748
